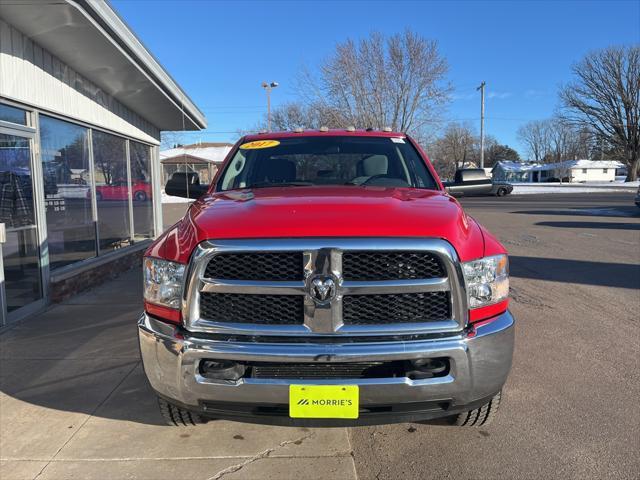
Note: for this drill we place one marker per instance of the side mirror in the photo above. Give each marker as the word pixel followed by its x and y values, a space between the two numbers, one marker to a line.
pixel 185 185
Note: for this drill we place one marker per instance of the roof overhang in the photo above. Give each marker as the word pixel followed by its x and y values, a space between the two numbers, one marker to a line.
pixel 90 37
pixel 181 159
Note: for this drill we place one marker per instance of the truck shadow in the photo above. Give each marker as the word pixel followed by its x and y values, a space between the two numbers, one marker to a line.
pixel 617 275
pixel 617 211
pixel 594 225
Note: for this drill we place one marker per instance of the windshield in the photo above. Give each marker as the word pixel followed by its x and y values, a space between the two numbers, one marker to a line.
pixel 307 161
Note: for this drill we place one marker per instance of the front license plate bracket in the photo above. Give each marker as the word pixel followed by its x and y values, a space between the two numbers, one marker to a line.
pixel 324 401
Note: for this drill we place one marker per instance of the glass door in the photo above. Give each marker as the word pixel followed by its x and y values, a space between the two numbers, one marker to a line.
pixel 21 288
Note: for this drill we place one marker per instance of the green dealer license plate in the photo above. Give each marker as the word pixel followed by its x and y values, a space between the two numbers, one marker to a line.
pixel 323 401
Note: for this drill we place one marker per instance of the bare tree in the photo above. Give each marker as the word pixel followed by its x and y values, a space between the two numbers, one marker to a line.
pixel 457 146
pixel 605 97
pixel 298 115
pixel 536 136
pixel 555 140
pixel 170 140
pixel 293 115
pixel 396 82
pixel 564 141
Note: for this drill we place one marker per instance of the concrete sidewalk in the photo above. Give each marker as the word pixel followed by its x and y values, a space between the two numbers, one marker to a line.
pixel 74 403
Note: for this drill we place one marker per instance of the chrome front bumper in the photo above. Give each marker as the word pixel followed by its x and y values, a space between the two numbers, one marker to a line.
pixel 479 364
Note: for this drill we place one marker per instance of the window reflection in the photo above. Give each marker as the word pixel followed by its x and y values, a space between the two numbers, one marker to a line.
pixel 141 190
pixel 205 171
pixel 21 258
pixel 112 190
pixel 16 191
pixel 13 114
pixel 67 181
pixel 21 250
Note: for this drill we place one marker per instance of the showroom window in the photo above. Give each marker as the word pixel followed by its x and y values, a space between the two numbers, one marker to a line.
pixel 140 157
pixel 122 185
pixel 13 114
pixel 112 190
pixel 67 191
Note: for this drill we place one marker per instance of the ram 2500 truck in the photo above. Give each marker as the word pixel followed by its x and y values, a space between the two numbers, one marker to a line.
pixel 325 278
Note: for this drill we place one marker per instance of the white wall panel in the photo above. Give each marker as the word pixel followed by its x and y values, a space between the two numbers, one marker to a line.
pixel 30 74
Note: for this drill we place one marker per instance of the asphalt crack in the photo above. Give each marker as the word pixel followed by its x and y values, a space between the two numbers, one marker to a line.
pixel 524 298
pixel 263 454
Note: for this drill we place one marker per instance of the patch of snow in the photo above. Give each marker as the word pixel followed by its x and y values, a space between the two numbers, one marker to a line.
pixel 578 184
pixel 171 199
pixel 530 188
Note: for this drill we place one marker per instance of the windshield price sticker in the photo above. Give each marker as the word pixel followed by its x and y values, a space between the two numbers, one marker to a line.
pixel 397 140
pixel 259 144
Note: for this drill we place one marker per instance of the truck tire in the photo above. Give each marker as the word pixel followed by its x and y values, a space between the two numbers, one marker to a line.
pixel 478 417
pixel 501 192
pixel 179 417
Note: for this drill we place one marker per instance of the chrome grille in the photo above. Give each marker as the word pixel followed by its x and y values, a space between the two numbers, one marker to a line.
pixel 302 371
pixel 396 308
pixel 382 265
pixel 275 266
pixel 303 287
pixel 258 309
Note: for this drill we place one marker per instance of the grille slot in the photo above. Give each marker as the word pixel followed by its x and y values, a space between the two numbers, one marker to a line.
pixel 301 371
pixel 264 266
pixel 257 309
pixel 396 308
pixel 390 265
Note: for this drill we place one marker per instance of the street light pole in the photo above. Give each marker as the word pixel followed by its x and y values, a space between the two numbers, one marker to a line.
pixel 268 87
pixel 481 88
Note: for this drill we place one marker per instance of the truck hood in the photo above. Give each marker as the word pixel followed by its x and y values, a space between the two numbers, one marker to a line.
pixel 294 212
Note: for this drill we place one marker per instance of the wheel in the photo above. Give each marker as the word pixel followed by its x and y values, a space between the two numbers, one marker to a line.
pixel 501 192
pixel 478 417
pixel 179 417
pixel 140 196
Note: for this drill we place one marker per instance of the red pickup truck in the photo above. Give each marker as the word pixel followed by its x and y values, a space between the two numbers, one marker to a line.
pixel 325 278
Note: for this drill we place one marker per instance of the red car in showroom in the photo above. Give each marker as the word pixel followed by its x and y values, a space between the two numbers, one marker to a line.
pixel 325 278
pixel 119 190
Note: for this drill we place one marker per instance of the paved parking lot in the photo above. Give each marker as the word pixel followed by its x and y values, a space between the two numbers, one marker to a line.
pixel 74 402
pixel 571 402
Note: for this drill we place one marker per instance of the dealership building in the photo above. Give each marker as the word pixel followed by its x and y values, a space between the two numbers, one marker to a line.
pixel 82 105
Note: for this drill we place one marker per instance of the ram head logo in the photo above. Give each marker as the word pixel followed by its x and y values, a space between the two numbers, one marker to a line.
pixel 322 289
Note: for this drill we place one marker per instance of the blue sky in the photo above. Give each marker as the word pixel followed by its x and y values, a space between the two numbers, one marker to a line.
pixel 221 51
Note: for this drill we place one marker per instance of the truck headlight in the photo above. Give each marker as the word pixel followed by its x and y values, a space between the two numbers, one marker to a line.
pixel 163 281
pixel 487 280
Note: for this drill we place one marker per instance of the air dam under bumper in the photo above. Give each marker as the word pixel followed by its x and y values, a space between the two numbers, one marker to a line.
pixel 479 365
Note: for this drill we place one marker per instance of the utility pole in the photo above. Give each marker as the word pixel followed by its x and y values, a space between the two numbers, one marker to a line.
pixel 481 88
pixel 268 87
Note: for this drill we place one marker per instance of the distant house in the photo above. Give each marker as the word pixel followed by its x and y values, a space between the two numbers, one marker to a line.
pixel 201 158
pixel 569 171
